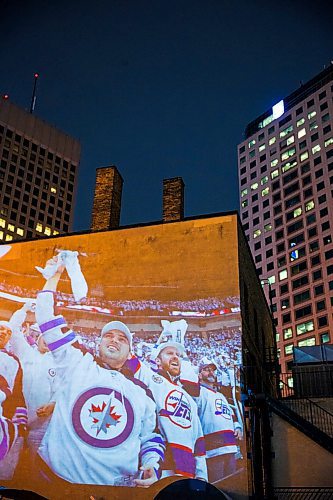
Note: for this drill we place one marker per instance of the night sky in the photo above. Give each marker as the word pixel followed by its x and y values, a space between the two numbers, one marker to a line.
pixel 160 88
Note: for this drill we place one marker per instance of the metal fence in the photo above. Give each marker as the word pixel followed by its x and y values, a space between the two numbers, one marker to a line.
pixel 303 493
pixel 307 382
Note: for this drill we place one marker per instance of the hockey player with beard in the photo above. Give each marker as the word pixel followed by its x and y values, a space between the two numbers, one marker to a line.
pixel 177 411
pixel 13 413
pixel 103 429
pixel 219 424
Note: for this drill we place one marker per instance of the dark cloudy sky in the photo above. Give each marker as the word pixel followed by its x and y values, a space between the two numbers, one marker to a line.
pixel 160 88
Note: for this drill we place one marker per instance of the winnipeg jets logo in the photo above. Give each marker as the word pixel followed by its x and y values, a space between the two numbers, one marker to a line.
pixel 222 409
pixel 177 409
pixel 102 417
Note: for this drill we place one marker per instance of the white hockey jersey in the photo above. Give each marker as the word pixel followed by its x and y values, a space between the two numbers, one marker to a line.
pixel 218 422
pixel 178 421
pixel 103 426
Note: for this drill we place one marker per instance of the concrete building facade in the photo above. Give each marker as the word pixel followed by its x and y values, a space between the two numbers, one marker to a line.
pixel 38 174
pixel 285 180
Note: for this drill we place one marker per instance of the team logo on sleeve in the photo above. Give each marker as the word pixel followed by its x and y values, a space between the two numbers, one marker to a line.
pixel 177 409
pixel 102 417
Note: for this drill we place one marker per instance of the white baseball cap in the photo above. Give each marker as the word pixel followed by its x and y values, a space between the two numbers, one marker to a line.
pixel 163 345
pixel 117 325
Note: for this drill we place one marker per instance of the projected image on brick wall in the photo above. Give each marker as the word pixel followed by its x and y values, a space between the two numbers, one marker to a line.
pixel 112 371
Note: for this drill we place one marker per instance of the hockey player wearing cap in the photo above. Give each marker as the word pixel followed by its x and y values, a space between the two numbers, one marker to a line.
pixel 103 428
pixel 13 413
pixel 177 412
pixel 219 424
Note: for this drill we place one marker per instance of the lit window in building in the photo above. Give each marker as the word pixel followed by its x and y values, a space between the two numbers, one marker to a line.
pixel 309 205
pixel 265 191
pixel 1 235
pixel 245 203
pixel 328 142
pixel 287 166
pixel 283 274
pixel 297 212
pixel 312 114
pixel 316 149
pixel 277 337
pixel 274 162
pixel 288 153
pixel 287 333
pixel 300 122
pixel 2 223
pixel 262 147
pixel 313 125
pixel 266 121
pixel 264 180
pixel 301 133
pixel 11 228
pixel 307 342
pixel 286 131
pixel 267 227
pixel 20 231
pixel 308 326
pixel 285 303
pixel 304 156
pixel 55 232
pixel 271 280
pixel 53 190
pixel 244 192
pixel 325 338
pixel 288 349
pixel 251 143
pixel 254 186
pixel 39 227
pixel 272 141
pixel 290 140
pixel 275 173
pixel 9 237
pixel 256 233
pixel 47 231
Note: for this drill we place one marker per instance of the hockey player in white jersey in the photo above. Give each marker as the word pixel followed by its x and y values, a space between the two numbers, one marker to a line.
pixel 219 424
pixel 177 411
pixel 103 429
pixel 13 413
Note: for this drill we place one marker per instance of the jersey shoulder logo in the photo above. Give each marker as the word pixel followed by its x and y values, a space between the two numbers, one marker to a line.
pixel 157 379
pixel 177 408
pixel 102 417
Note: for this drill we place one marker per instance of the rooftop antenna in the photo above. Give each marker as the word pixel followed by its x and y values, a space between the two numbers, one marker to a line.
pixel 33 97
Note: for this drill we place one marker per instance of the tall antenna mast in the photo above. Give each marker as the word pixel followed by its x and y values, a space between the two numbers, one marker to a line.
pixel 34 97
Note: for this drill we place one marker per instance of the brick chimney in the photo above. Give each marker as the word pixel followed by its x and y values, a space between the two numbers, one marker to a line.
pixel 107 199
pixel 173 199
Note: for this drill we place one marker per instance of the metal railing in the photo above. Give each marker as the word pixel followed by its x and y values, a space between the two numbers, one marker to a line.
pixel 303 493
pixel 307 381
pixel 313 413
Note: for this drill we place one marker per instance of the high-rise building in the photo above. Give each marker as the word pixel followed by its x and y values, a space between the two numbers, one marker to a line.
pixel 38 172
pixel 286 192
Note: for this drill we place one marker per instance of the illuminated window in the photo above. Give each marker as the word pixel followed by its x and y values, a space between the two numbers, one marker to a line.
pixel 300 122
pixel 266 121
pixel 288 153
pixel 287 333
pixel 313 125
pixel 272 141
pixel 53 190
pixel 312 114
pixel 244 192
pixel 39 227
pixel 283 274
pixel 275 173
pixel 301 133
pixel 287 166
pixel 268 227
pixel 297 212
pixel 307 342
pixel 308 326
pixel 290 140
pixel 11 228
pixel 304 156
pixel 316 149
pixel 2 223
pixel 329 142
pixel 288 349
pixel 254 186
pixel 309 205
pixel 256 233
pixel 245 203
pixel 286 131
pixel 265 191
pixel 264 180
pixel 9 237
pixel 271 280
pixel 274 162
pixel 20 231
pixel 277 337
pixel 1 235
pixel 252 143
pixel 262 147
pixel 55 232
pixel 47 231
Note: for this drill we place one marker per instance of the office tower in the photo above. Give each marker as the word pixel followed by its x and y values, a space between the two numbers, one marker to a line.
pixel 286 189
pixel 38 172
pixel 107 199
